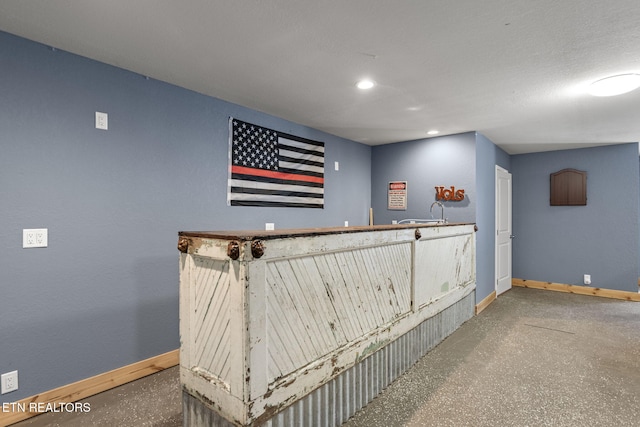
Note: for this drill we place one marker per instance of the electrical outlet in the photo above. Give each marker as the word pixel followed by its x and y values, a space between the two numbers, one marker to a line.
pixel 346 223
pixel 9 382
pixel 587 279
pixel 28 238
pixel 42 238
pixel 35 238
pixel 102 120
pixel 269 226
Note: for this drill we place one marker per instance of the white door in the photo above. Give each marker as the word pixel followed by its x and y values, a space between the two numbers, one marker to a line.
pixel 503 230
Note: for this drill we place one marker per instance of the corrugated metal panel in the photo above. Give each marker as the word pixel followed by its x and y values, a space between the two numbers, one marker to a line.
pixel 210 334
pixel 195 414
pixel 319 303
pixel 335 402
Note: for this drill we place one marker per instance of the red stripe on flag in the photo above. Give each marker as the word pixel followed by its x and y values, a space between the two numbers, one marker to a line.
pixel 279 175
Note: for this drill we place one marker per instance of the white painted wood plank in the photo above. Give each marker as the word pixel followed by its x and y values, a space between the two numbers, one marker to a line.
pixel 340 297
pixel 211 340
pixel 186 318
pixel 285 316
pixel 346 292
pixel 239 314
pixel 315 310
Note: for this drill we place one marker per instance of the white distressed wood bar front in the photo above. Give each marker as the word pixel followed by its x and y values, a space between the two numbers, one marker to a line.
pixel 269 318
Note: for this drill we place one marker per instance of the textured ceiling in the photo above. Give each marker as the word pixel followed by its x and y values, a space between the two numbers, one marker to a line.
pixel 514 70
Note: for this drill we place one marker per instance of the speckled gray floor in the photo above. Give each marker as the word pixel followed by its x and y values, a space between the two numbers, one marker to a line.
pixel 532 358
pixel 155 400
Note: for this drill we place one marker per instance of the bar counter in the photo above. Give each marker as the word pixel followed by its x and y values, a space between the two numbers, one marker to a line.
pixel 306 326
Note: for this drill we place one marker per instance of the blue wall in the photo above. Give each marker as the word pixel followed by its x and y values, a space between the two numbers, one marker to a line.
pixel 561 243
pixel 465 161
pixel 104 294
pixel 424 164
pixel 488 156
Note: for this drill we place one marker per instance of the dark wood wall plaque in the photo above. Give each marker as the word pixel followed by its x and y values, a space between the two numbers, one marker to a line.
pixel 569 188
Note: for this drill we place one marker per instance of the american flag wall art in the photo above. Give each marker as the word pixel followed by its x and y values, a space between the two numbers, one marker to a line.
pixel 269 168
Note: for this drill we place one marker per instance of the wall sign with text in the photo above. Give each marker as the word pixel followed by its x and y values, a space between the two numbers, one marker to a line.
pixel 397 196
pixel 449 194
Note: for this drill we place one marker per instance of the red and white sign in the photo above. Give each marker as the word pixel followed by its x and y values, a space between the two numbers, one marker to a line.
pixel 397 196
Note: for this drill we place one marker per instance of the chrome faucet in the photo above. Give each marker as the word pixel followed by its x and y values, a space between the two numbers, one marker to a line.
pixel 442 218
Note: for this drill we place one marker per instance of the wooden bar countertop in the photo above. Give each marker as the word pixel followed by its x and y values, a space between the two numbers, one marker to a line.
pixel 247 235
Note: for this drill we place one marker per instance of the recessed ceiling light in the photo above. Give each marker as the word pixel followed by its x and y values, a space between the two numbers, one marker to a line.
pixel 433 132
pixel 615 85
pixel 365 84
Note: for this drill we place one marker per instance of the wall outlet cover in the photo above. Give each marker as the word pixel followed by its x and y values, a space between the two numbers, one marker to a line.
pixel 8 382
pixel 102 120
pixel 35 238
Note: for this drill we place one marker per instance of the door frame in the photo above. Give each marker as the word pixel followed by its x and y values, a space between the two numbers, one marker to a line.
pixel 500 169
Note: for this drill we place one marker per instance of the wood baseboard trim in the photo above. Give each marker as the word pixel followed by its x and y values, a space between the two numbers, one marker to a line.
pixel 87 387
pixel 485 302
pixel 580 290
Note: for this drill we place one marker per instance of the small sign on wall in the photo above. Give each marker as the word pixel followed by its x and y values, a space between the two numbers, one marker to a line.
pixel 397 196
pixel 449 194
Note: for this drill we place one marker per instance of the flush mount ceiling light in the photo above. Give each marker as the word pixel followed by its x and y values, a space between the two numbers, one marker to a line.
pixel 614 85
pixel 365 84
pixel 433 132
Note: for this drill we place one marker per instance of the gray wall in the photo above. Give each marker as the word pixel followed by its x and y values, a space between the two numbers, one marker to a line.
pixel 425 164
pixel 488 155
pixel 465 161
pixel 561 243
pixel 104 294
